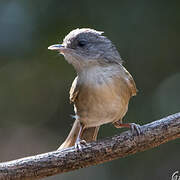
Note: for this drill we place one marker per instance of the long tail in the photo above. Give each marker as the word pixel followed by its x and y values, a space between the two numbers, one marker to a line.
pixel 88 134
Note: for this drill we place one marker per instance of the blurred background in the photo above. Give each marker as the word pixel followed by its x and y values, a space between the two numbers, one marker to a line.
pixel 34 82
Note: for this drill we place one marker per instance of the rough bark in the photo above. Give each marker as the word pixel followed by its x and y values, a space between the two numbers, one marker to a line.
pixel 118 146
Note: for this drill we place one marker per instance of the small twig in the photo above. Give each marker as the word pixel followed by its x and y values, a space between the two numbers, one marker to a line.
pixel 48 164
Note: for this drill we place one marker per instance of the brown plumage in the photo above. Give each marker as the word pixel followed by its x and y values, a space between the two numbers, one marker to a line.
pixel 103 87
pixel 88 134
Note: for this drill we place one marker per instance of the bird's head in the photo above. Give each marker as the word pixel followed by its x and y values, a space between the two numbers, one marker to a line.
pixel 87 47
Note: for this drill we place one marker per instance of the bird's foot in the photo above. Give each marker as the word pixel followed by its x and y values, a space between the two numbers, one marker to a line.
pixel 135 128
pixel 79 143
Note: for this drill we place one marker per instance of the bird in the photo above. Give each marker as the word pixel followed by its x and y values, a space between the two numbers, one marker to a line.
pixel 87 134
pixel 102 88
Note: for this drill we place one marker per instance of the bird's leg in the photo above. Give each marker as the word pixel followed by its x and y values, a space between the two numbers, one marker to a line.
pixel 88 134
pixel 79 142
pixel 134 127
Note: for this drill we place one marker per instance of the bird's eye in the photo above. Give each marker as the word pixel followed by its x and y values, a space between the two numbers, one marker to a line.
pixel 82 43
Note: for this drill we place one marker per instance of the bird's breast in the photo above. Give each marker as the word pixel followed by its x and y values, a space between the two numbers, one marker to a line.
pixel 103 96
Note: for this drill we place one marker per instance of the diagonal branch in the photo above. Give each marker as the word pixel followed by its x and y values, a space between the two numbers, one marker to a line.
pixel 48 164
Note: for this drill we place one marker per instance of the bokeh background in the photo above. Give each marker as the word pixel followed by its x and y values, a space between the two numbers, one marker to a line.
pixel 34 82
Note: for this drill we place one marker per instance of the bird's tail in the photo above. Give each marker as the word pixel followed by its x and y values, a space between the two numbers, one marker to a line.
pixel 88 134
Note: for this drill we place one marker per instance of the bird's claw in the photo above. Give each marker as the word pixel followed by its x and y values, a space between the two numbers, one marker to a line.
pixel 135 128
pixel 79 143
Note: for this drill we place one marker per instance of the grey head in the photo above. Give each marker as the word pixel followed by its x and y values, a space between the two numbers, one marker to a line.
pixel 87 47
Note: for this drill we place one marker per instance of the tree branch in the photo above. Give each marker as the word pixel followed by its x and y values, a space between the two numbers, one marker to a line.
pixel 48 164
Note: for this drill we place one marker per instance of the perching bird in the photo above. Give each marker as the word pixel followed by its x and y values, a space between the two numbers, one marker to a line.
pixel 103 87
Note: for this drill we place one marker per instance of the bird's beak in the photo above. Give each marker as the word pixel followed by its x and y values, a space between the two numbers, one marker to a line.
pixel 57 47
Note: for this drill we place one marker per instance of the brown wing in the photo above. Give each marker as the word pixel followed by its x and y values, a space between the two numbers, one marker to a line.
pixel 130 82
pixel 74 90
pixel 88 134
